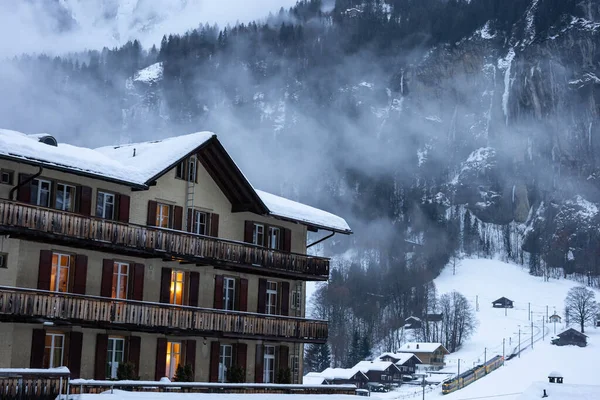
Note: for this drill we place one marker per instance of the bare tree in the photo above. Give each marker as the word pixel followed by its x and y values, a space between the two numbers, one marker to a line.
pixel 458 320
pixel 581 306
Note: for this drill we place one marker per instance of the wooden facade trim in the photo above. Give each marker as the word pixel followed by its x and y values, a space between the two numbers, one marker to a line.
pixel 30 305
pixel 145 241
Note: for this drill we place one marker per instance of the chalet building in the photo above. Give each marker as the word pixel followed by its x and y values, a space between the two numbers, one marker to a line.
pixel 570 337
pixel 380 371
pixel 555 318
pixel 412 322
pixel 344 376
pixel 503 302
pixel 406 362
pixel 431 354
pixel 156 254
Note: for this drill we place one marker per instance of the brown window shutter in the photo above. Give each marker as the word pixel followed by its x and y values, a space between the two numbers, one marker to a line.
pixel 287 240
pixel 262 296
pixel 137 292
pixel 80 274
pixel 190 220
pixel 107 278
pixel 100 359
pixel 285 298
pixel 218 303
pixel 243 295
pixel 85 200
pixel 215 349
pixel 45 270
pixel 24 192
pixel 151 220
pixel 258 364
pixel 135 345
pixel 165 285
pixel 241 356
pixel 124 205
pixel 74 362
pixel 178 218
pixel 194 289
pixel 38 343
pixel 283 357
pixel 190 355
pixel 248 231
pixel 214 225
pixel 161 358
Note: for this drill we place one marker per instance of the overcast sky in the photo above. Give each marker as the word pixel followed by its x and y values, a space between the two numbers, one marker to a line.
pixel 39 25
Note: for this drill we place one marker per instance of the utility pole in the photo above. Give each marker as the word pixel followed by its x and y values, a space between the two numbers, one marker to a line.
pixel 503 352
pixel 543 330
pixel 505 308
pixel 477 303
pixel 529 311
pixel 423 384
pixel 485 358
pixel 546 313
pixel 532 335
pixel 519 341
pixel 458 370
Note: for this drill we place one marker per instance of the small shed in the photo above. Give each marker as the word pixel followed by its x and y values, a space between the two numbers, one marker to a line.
pixel 555 377
pixel 570 337
pixel 555 318
pixel 412 322
pixel 503 302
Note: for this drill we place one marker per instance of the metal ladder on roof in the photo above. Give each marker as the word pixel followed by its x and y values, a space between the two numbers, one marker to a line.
pixel 190 188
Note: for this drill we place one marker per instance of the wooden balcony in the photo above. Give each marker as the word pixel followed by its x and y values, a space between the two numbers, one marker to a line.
pixel 30 305
pixel 88 232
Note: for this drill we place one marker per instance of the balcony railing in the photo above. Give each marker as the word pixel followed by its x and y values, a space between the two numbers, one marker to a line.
pixel 193 248
pixel 18 304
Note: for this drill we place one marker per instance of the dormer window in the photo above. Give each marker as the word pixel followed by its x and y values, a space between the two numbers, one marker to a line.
pixel 187 170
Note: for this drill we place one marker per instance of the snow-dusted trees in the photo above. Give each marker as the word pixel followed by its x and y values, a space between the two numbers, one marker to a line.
pixel 581 306
pixel 458 320
pixel 317 357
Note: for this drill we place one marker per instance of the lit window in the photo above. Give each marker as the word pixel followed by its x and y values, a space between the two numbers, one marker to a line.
pixel 53 350
pixel 274 238
pixel 65 197
pixel 120 280
pixel 105 205
pixel 177 282
pixel 269 365
pixel 116 347
pixel 225 361
pixel 271 298
pixel 229 294
pixel 173 358
pixel 258 235
pixel 40 192
pixel 162 215
pixel 200 222
pixel 59 280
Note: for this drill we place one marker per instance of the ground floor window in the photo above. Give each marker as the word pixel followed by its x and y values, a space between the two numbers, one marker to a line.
pixel 225 361
pixel 115 356
pixel 269 364
pixel 53 350
pixel 173 358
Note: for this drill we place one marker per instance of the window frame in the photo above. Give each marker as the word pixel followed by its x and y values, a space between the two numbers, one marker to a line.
pixel 53 347
pixel 271 298
pixel 112 351
pixel 196 223
pixel 229 290
pixel 3 260
pixel 56 270
pixel 223 358
pixel 175 283
pixel 117 270
pixel 187 170
pixel 11 176
pixel 255 233
pixel 277 231
pixel 160 216
pixel 106 193
pixel 170 369
pixel 39 191
pixel 296 297
pixel 269 361
pixel 73 200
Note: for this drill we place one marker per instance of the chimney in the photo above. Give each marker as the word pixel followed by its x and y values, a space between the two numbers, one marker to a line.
pixel 134 151
pixel 417 346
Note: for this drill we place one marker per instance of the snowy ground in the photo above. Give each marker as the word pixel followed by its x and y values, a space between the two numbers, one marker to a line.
pixel 483 281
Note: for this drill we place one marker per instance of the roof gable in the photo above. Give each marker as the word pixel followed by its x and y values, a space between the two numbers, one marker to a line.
pixel 400 358
pixel 573 332
pixel 414 347
pixel 380 366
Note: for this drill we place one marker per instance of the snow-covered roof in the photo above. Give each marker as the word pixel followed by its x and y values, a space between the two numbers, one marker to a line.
pixel 313 378
pixel 365 366
pixel 557 391
pixel 138 164
pixel 401 357
pixel 288 209
pixel 331 374
pixel 555 374
pixel 419 347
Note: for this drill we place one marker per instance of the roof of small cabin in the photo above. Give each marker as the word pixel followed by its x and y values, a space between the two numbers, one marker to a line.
pixel 377 365
pixel 401 357
pixel 414 318
pixel 555 374
pixel 138 165
pixel 313 378
pixel 331 374
pixel 572 331
pixel 502 299
pixel 426 347
pixel 561 391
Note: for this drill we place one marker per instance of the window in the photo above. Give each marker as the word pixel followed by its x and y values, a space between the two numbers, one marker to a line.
pixel 269 364
pixel 192 170
pixel 120 280
pixel 187 170
pixel 271 297
pixel 173 358
pixel 258 235
pixel 6 177
pixel 65 197
pixel 40 192
pixel 177 282
pixel 225 361
pixel 180 170
pixel 3 260
pixel 296 299
pixel 274 238
pixel 116 348
pixel 200 223
pixel 295 363
pixel 105 205
pixel 59 280
pixel 229 294
pixel 53 350
pixel 163 212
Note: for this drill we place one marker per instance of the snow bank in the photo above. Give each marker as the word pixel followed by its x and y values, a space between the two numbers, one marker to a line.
pixel 121 394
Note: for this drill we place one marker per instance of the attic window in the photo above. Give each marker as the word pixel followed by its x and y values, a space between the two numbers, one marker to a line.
pixel 187 170
pixel 6 177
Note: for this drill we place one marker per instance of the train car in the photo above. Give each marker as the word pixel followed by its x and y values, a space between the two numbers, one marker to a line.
pixel 472 375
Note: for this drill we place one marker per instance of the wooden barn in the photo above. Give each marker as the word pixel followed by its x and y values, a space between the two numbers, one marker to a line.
pixel 406 362
pixel 503 302
pixel 379 371
pixel 570 337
